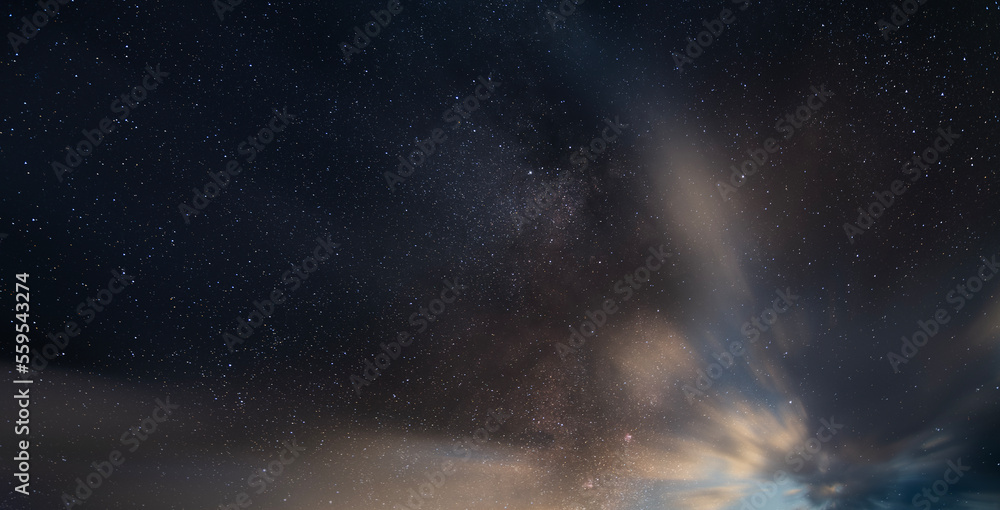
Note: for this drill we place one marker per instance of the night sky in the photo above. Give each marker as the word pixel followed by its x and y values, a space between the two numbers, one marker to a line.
pixel 502 255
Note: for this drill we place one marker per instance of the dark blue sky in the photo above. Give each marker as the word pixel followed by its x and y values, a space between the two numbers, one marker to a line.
pixel 258 122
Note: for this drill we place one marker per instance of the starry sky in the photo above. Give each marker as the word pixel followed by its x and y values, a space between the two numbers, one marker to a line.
pixel 336 329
